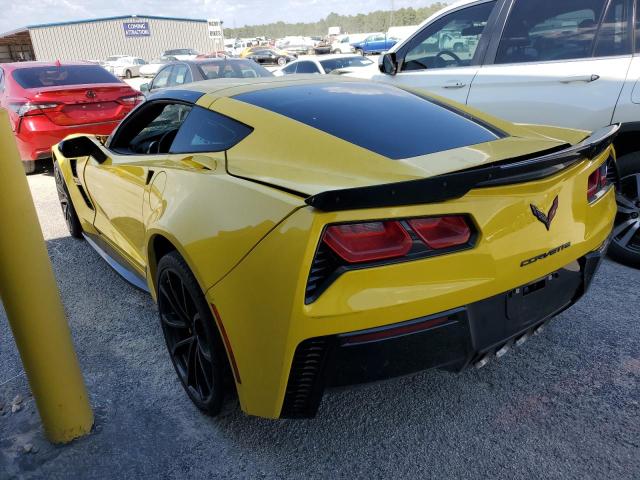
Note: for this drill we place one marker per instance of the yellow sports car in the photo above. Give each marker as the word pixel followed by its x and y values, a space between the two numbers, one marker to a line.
pixel 304 233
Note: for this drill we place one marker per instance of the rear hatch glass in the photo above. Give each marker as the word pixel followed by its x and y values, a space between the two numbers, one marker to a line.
pixel 53 76
pixel 381 118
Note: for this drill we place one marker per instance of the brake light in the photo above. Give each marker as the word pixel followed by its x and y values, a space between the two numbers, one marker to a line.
pixel 366 242
pixel 597 183
pixel 132 100
pixel 442 232
pixel 24 109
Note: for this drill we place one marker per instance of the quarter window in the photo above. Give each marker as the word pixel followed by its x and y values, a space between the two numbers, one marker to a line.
pixel 208 131
pixel 451 41
pixel 546 31
pixel 289 69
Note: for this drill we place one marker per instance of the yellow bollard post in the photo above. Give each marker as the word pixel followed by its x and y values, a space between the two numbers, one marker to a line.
pixel 31 299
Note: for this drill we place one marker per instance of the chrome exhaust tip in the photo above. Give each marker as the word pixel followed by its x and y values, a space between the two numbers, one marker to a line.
pixel 482 362
pixel 503 350
pixel 522 339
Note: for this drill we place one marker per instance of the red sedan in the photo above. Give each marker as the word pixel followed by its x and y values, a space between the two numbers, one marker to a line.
pixel 48 101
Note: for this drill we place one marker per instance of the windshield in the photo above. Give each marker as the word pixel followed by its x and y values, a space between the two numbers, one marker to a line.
pixel 38 77
pixel 233 69
pixel 346 62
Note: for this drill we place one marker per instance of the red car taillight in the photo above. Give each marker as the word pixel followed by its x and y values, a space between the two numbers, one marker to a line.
pixel 132 100
pixel 374 241
pixel 442 232
pixel 24 109
pixel 366 242
pixel 348 246
pixel 597 183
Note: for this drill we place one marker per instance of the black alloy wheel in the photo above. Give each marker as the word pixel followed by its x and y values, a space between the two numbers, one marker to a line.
pixel 68 211
pixel 625 239
pixel 191 335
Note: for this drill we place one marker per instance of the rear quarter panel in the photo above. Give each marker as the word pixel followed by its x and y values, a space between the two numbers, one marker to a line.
pixel 213 219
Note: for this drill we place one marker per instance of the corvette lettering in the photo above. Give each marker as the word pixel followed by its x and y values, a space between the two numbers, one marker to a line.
pixel 544 255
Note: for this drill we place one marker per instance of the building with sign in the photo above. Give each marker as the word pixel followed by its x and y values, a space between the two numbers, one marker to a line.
pixel 141 36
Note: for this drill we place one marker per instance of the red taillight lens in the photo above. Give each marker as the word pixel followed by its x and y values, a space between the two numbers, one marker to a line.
pixel 597 182
pixel 366 242
pixel 24 109
pixel 442 232
pixel 132 100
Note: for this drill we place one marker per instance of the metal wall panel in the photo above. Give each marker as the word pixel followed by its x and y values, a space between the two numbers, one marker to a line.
pixel 99 39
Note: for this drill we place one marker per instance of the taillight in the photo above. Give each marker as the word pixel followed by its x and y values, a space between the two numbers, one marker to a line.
pixel 597 183
pixel 442 232
pixel 24 109
pixel 367 242
pixel 132 100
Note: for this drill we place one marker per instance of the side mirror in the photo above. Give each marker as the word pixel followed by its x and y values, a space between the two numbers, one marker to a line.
pixel 82 147
pixel 388 64
pixel 144 88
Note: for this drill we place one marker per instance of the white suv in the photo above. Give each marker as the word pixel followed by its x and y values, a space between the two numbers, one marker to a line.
pixel 571 63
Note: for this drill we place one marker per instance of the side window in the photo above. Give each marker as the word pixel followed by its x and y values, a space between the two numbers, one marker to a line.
pixel 307 67
pixel 1 80
pixel 151 129
pixel 545 31
pixel 207 131
pixel 289 69
pixel 450 41
pixel 613 36
pixel 180 75
pixel 161 80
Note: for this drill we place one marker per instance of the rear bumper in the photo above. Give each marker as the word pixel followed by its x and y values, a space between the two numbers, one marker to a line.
pixel 454 340
pixel 36 135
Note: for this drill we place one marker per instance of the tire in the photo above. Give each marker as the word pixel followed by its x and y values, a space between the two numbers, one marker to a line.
pixel 30 166
pixel 68 211
pixel 625 239
pixel 335 51
pixel 192 338
pixel 281 61
pixel 128 74
pixel 359 51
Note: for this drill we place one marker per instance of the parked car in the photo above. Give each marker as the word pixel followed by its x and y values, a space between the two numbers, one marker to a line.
pixel 182 53
pixel 356 250
pixel 48 101
pixel 322 47
pixel 113 59
pixel 151 69
pixel 374 44
pixel 127 67
pixel 343 45
pixel 269 56
pixel 180 73
pixel 562 63
pixel 337 64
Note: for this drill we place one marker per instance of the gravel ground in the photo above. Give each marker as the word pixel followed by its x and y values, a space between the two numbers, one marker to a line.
pixel 564 405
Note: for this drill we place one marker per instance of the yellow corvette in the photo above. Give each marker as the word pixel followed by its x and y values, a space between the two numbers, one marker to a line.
pixel 304 233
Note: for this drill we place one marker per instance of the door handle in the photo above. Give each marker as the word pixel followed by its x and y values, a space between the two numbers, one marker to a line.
pixel 581 78
pixel 454 84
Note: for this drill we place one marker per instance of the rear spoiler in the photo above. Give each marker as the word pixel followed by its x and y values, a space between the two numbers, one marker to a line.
pixel 457 184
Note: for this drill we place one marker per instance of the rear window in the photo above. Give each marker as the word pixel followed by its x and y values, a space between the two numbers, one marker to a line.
pixel 381 118
pixel 38 77
pixel 233 69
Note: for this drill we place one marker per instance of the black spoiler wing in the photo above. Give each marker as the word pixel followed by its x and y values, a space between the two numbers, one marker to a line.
pixel 456 184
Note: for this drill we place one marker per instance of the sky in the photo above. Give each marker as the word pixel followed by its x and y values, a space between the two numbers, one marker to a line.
pixel 20 13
